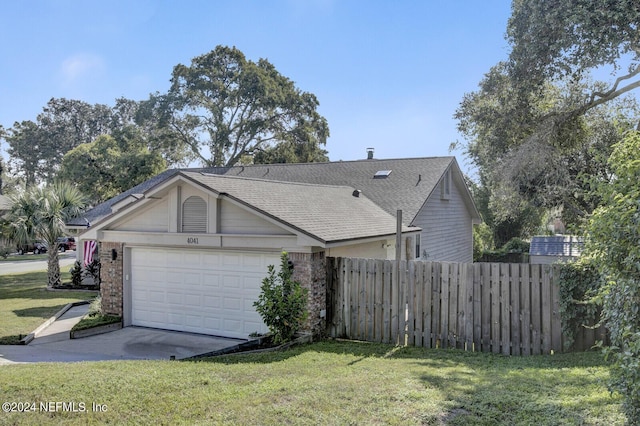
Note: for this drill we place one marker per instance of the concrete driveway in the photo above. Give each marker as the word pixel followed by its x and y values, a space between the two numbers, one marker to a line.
pixel 54 345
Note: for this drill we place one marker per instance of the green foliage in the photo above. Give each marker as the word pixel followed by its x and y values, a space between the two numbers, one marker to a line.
pixel 115 164
pixel 36 148
pixel 40 213
pixel 282 302
pixel 539 127
pixel 95 320
pixel 571 37
pixel 513 251
pixel 516 245
pixel 482 240
pixel 291 152
pixel 95 307
pixel 93 270
pixel 579 284
pixel 5 252
pixel 224 107
pixel 612 242
pixel 76 274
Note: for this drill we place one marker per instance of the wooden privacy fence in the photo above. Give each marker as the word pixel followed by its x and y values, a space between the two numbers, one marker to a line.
pixel 505 308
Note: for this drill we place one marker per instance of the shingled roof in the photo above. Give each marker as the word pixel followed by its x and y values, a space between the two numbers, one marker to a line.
pixel 406 187
pixel 325 212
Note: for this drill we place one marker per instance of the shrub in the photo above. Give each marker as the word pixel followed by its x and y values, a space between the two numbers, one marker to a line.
pixel 76 274
pixel 282 303
pixel 516 245
pixel 96 307
pixel 93 270
pixel 579 283
pixel 5 252
pixel 612 241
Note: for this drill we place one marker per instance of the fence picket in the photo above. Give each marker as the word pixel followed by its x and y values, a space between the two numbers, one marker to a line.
pixel 486 307
pixel 428 306
pixel 495 308
pixel 546 309
pixel 501 308
pixel 467 281
pixel 378 300
pixel 515 309
pixel 387 291
pixel 525 303
pixel 411 304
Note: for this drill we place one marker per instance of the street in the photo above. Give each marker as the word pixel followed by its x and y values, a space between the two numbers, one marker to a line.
pixel 19 267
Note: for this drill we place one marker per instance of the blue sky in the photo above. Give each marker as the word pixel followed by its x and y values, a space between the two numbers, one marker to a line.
pixel 388 75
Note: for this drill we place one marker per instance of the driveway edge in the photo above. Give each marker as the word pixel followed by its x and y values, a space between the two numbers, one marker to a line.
pixel 29 337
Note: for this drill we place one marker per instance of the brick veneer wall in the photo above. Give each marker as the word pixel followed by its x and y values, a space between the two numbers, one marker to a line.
pixel 310 270
pixel 111 271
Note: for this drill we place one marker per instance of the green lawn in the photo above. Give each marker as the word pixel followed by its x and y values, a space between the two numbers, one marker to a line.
pixel 25 258
pixel 25 303
pixel 323 383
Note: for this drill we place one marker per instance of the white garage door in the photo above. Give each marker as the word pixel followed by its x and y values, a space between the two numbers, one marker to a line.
pixel 200 291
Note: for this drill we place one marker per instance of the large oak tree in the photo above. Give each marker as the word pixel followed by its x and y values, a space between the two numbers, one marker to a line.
pixel 224 107
pixel 540 124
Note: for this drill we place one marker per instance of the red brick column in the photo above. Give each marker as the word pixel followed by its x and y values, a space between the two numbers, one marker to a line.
pixel 309 269
pixel 111 272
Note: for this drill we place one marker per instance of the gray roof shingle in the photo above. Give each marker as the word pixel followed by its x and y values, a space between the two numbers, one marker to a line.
pixel 406 188
pixel 325 212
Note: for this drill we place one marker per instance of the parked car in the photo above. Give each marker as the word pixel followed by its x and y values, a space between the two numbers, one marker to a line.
pixel 36 247
pixel 66 243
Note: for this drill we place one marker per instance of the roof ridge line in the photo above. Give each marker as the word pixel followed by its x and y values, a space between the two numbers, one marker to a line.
pixel 284 182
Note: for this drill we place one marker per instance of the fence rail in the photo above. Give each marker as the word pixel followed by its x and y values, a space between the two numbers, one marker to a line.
pixel 506 308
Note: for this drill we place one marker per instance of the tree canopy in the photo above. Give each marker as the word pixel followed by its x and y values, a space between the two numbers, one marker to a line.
pixel 224 107
pixel 36 148
pixel 111 164
pixel 540 125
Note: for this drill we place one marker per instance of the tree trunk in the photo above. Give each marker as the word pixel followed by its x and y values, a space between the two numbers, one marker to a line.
pixel 53 268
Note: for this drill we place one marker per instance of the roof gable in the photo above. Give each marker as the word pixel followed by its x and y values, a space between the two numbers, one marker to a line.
pixel 327 214
pixel 409 184
pixel 324 212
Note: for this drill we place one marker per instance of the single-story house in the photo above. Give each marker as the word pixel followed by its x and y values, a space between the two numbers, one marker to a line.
pixel 556 248
pixel 188 249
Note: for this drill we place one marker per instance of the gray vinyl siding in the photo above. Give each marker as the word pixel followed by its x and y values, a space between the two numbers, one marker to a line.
pixel 446 228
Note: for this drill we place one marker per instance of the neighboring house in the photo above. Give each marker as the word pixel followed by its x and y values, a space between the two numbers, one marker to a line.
pixel 552 249
pixel 187 250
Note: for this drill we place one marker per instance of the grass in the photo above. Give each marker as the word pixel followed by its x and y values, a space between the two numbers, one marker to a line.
pixel 96 320
pixel 26 303
pixel 25 257
pixel 328 382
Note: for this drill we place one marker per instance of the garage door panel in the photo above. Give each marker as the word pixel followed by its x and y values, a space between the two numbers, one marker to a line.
pixel 202 291
pixel 212 301
pixel 231 303
pixel 230 282
pixel 156 296
pixel 210 280
pixel 193 300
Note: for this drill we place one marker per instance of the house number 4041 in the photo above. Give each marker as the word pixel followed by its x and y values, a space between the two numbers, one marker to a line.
pixel 192 240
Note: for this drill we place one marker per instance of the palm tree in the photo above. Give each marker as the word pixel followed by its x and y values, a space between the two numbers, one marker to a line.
pixel 41 213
